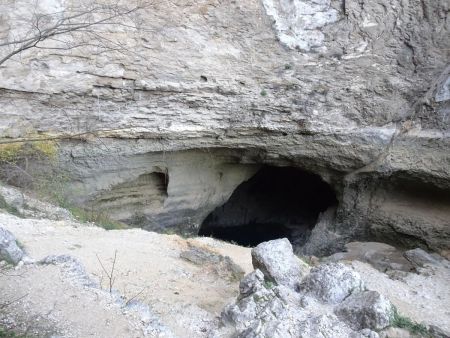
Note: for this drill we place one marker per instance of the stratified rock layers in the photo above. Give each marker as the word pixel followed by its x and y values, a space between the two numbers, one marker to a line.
pixel 198 97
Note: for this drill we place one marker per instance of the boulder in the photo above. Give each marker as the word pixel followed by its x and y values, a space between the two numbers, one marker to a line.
pixel 328 325
pixel 275 312
pixel 365 310
pixel 331 303
pixel 222 265
pixel 381 256
pixel 251 283
pixel 332 282
pixel 9 250
pixel 420 258
pixel 277 262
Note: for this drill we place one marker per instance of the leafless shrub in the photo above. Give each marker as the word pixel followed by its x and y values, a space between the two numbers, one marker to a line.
pixel 111 278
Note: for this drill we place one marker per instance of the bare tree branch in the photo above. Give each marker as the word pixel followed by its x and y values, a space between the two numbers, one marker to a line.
pixel 44 27
pixel 8 303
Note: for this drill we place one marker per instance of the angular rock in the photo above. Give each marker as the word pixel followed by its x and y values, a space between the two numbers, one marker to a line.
pixel 332 283
pixel 396 332
pixel 438 331
pixel 369 333
pixel 263 314
pixel 278 263
pixel 27 206
pixel 71 267
pixel 420 258
pixel 265 310
pixel 262 309
pixel 222 265
pixel 325 326
pixel 322 241
pixel 381 256
pixel 365 310
pixel 251 283
pixel 9 250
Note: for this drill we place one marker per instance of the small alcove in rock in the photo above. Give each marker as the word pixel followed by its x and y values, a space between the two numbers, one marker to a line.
pixel 276 202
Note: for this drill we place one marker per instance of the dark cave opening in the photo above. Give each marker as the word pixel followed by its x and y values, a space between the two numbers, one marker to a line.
pixel 276 202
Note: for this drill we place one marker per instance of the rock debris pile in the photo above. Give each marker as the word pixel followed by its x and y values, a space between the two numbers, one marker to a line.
pixel 281 299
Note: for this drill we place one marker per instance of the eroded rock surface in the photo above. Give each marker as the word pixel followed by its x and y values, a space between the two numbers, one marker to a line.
pixel 367 309
pixel 421 258
pixel 332 283
pixel 299 23
pixel 355 91
pixel 267 257
pixel 265 309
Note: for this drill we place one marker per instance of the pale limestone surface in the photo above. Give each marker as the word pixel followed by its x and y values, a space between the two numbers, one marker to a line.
pixel 205 90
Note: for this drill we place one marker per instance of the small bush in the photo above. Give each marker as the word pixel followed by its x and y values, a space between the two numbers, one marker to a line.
pixel 263 93
pixel 4 333
pixel 15 160
pixel 269 284
pixel 47 148
pixel 406 323
pixel 10 152
pixel 15 152
pixel 98 218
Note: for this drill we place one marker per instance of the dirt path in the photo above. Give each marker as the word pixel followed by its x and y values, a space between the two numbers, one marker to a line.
pixel 148 268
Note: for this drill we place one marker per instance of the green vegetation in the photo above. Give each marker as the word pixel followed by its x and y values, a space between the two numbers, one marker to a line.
pixel 20 245
pixel 96 217
pixel 269 284
pixel 14 152
pixel 263 93
pixel 406 323
pixel 256 298
pixel 16 157
pixel 173 231
pixel 10 152
pixel 4 333
pixel 287 66
pixel 51 184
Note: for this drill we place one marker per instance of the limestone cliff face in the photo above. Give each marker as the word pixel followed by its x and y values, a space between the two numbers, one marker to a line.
pixel 206 91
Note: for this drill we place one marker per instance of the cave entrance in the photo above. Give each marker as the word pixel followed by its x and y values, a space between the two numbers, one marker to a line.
pixel 276 202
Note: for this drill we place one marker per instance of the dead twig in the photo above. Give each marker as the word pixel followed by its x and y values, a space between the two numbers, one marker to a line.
pixel 128 302
pixel 15 300
pixel 109 274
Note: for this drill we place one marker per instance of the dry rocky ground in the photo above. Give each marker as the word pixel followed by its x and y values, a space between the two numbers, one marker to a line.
pixel 155 116
pixel 168 286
